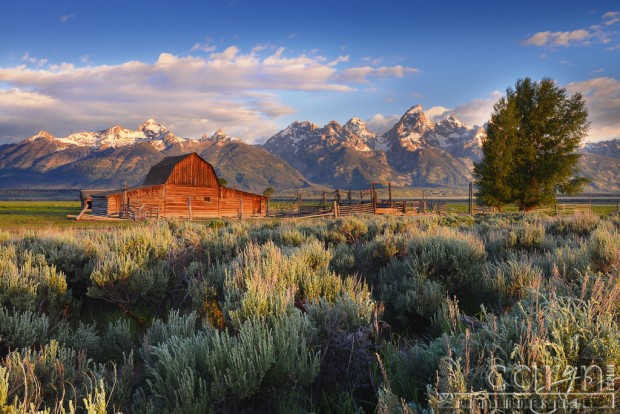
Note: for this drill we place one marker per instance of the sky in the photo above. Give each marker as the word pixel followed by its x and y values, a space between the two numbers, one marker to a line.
pixel 253 67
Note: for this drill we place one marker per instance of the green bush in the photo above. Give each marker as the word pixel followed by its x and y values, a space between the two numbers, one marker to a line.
pixel 22 329
pixel 263 355
pixel 28 283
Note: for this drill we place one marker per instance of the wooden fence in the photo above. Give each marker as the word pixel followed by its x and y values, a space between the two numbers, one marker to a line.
pixel 336 209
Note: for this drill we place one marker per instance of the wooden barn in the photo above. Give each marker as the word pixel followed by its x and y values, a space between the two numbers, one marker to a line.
pixel 185 186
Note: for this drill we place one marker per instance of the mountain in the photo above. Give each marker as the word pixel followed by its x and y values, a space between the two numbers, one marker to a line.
pixel 609 148
pixel 333 155
pixel 414 152
pixel 600 162
pixel 117 156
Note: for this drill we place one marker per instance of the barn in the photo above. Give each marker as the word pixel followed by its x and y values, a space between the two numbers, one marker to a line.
pixel 183 186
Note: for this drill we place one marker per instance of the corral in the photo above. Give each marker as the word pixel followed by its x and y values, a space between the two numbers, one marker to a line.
pixel 183 186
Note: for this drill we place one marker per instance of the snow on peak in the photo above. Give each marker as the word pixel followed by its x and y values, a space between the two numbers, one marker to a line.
pixel 152 129
pixel 357 128
pixel 332 127
pixel 220 136
pixel 414 120
pixel 355 125
pixel 40 135
pixel 416 109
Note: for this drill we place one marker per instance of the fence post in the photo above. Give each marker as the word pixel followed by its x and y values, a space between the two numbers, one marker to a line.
pixel 405 207
pixel 390 191
pixel 189 207
pixel 241 208
pixel 336 215
pixel 374 198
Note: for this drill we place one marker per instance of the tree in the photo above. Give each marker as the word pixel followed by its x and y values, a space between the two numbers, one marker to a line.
pixel 529 154
pixel 268 192
pixel 223 181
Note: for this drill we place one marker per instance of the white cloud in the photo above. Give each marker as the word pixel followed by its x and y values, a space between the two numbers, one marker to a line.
pixel 31 59
pixel 436 113
pixel 603 101
pixel 204 47
pixel 380 123
pixel 476 112
pixel 66 18
pixel 17 99
pixel 362 74
pixel 611 18
pixel 234 90
pixel 579 37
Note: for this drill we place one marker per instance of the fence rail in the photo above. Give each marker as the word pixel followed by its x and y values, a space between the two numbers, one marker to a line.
pixel 138 212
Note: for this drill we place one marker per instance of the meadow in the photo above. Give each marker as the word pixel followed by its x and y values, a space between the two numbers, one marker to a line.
pixel 368 314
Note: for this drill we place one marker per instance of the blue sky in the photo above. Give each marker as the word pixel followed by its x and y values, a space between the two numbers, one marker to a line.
pixel 253 67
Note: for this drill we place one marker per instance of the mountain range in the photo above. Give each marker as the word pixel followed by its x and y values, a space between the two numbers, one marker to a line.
pixel 415 152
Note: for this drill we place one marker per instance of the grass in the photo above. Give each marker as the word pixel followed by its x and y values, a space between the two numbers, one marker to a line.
pixel 16 215
pixel 293 315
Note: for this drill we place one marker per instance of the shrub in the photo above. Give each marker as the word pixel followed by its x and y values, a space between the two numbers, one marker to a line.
pixel 410 298
pixel 605 249
pixel 22 329
pixel 266 281
pixel 178 379
pixel 28 283
pixel 52 378
pixel 578 224
pixel 262 355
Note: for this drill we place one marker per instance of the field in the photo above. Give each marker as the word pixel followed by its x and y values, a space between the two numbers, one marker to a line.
pixel 367 314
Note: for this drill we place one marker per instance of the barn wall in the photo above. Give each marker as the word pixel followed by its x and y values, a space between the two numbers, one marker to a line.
pixel 193 171
pixel 172 201
pixel 149 197
pixel 212 202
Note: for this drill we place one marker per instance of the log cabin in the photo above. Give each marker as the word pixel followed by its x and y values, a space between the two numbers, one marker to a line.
pixel 184 186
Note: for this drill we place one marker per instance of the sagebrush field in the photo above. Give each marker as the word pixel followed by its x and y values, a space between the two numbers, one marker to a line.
pixel 368 314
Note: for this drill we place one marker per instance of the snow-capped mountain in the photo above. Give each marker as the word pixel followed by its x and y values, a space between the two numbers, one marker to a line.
pixel 609 148
pixel 415 151
pixel 100 159
pixel 150 132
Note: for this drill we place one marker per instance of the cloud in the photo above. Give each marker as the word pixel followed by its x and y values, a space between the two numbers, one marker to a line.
pixel 580 36
pixel 204 47
pixel 611 18
pixel 436 113
pixel 380 123
pixel 238 91
pixel 66 18
pixel 475 112
pixel 599 33
pixel 31 59
pixel 602 97
pixel 362 74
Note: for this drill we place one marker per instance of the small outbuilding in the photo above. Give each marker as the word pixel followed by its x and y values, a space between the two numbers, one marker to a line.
pixel 184 186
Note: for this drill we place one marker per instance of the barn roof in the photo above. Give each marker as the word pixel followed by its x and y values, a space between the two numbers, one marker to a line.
pixel 159 173
pixel 120 191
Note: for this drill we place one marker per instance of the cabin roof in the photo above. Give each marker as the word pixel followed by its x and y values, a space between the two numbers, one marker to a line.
pixel 86 194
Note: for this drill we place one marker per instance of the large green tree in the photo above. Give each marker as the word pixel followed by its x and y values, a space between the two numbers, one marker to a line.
pixel 530 153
